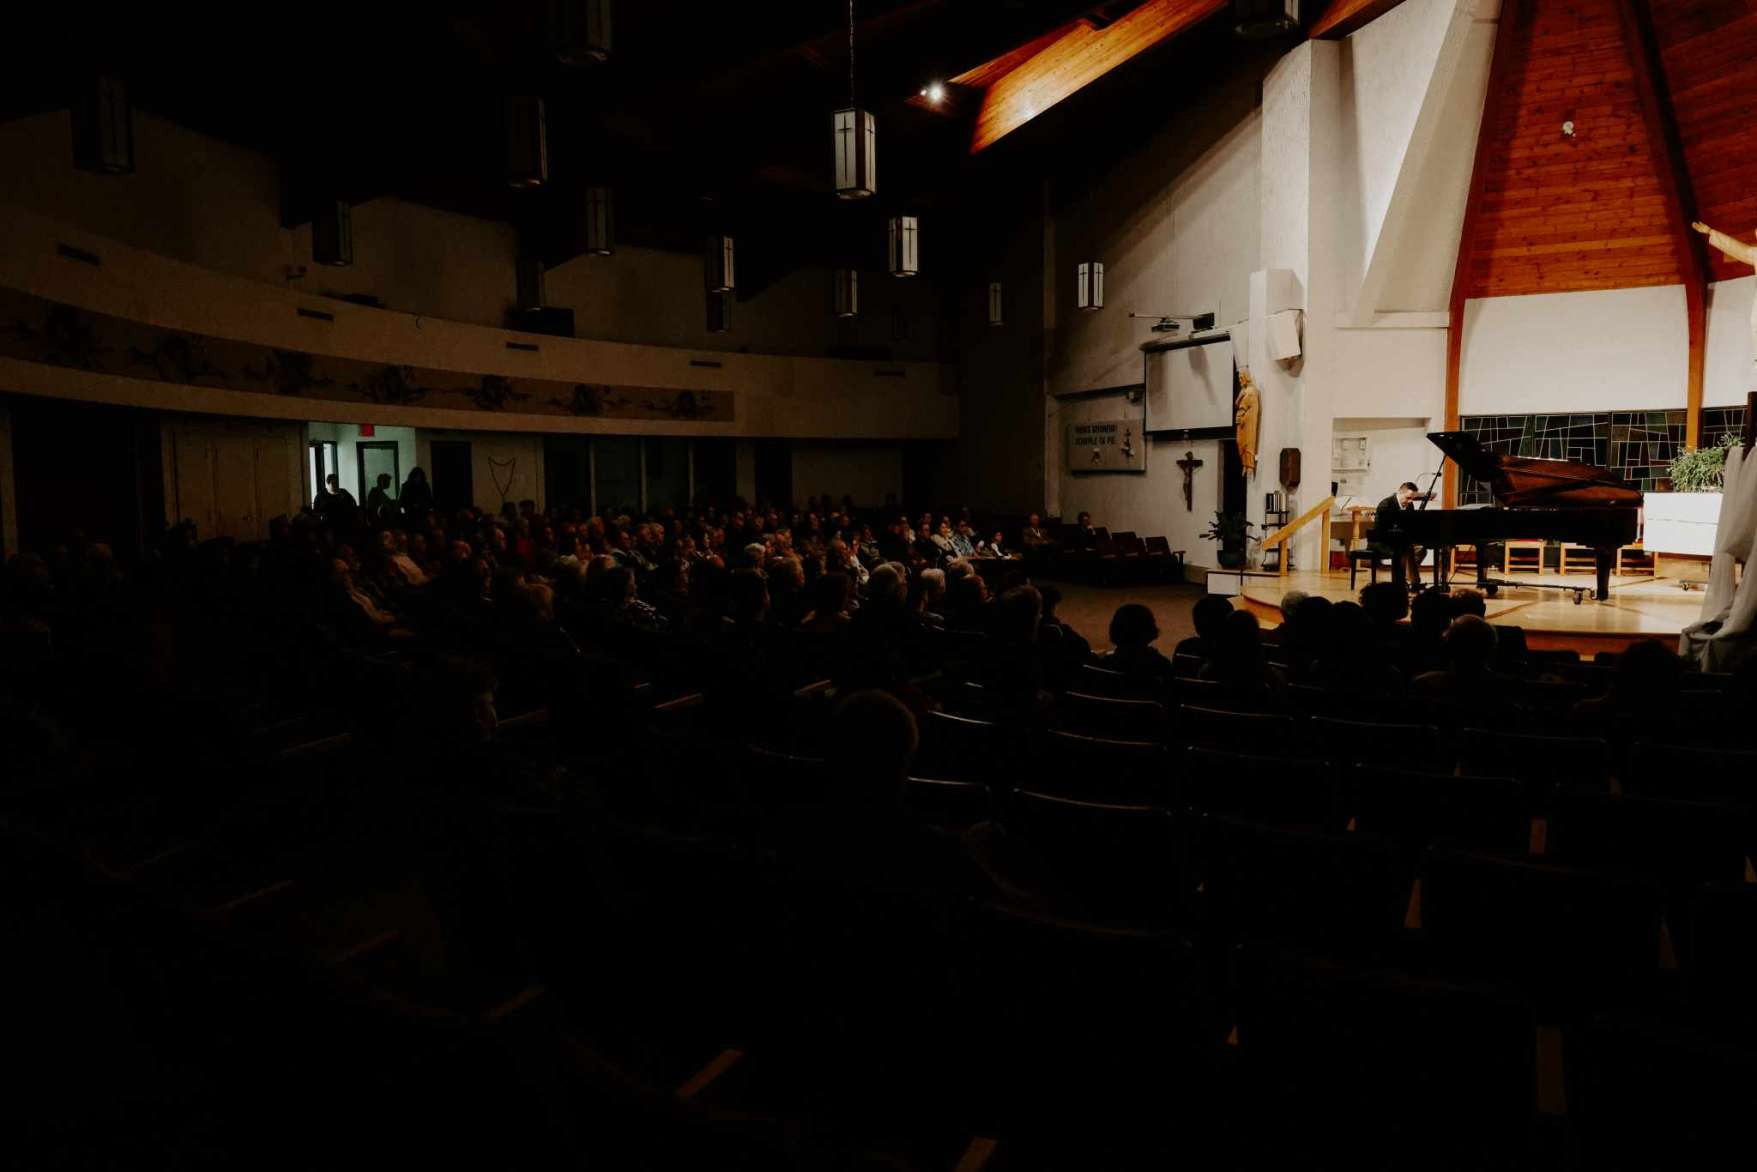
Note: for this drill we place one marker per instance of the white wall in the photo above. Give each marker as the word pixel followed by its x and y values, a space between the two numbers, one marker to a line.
pixel 1176 228
pixel 1607 350
pixel 1728 375
pixel 497 459
pixel 1150 504
pixel 1388 65
pixel 868 471
pixel 1398 450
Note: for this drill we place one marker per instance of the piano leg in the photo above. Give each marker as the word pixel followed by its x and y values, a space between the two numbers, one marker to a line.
pixel 1606 558
pixel 1399 557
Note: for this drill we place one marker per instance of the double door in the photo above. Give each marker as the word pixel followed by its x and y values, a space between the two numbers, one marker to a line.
pixel 232 478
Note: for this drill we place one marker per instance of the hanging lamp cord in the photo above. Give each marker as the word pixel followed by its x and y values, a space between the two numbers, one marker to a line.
pixel 851 52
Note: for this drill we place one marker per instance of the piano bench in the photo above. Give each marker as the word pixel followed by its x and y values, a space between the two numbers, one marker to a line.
pixel 1372 557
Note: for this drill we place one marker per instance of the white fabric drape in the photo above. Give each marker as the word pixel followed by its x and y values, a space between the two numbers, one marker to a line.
pixel 1726 634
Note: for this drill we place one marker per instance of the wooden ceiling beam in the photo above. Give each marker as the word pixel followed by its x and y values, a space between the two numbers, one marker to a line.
pixel 1068 60
pixel 1667 151
pixel 1495 104
pixel 1344 16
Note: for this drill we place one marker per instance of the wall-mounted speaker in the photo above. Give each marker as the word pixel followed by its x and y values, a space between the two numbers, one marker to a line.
pixel 1282 335
pixel 719 312
pixel 527 142
pixel 579 30
pixel 103 127
pixel 332 234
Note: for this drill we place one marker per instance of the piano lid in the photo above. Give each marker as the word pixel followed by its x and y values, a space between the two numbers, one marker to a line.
pixel 1524 481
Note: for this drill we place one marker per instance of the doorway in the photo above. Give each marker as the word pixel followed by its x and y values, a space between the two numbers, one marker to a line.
pixel 378 458
pixel 321 466
pixel 774 473
pixel 454 485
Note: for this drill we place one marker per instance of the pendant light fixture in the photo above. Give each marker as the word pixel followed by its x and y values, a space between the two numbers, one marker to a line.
pixel 527 142
pixel 902 246
pixel 996 306
pixel 332 234
pixel 719 313
pixel 718 268
pixel 1089 285
pixel 845 292
pixel 579 31
pixel 1089 274
pixel 103 127
pixel 856 138
pixel 530 283
pixel 600 221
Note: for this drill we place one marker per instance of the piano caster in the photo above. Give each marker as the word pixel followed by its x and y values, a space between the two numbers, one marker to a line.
pixel 1490 589
pixel 1579 593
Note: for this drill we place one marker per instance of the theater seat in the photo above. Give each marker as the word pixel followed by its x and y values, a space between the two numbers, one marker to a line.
pixel 1644 1094
pixel 1214 728
pixel 1101 769
pixel 1272 790
pixel 1106 716
pixel 1373 1068
pixel 1339 893
pixel 1416 810
pixel 1571 939
pixel 1123 864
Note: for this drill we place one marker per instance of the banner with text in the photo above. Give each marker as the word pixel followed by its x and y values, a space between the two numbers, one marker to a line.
pixel 1106 445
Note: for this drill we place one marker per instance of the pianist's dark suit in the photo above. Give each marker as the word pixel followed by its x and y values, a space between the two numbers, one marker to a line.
pixel 1384 520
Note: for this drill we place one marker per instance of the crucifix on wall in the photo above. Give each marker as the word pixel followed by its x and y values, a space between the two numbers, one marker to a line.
pixel 1189 464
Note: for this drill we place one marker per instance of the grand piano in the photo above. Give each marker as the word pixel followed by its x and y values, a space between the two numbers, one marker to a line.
pixel 1557 500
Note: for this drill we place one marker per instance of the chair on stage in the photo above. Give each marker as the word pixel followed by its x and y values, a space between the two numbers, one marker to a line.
pixel 1635 559
pixel 1522 557
pixel 1462 557
pixel 1577 559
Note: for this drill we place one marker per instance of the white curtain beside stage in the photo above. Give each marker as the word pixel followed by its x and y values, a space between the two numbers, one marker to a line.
pixel 1726 634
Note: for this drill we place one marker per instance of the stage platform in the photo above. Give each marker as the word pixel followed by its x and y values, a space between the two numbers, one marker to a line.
pixel 1638 608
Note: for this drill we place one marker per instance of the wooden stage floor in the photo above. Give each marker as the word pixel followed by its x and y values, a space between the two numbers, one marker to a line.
pixel 1638 608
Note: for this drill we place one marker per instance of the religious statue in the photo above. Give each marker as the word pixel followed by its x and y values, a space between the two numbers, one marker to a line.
pixel 1244 418
pixel 1734 249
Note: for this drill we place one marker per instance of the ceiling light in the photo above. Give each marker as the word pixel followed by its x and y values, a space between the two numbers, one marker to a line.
pixel 935 93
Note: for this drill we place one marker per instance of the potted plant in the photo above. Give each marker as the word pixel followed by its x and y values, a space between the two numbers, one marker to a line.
pixel 1233 532
pixel 1683 520
pixel 1702 469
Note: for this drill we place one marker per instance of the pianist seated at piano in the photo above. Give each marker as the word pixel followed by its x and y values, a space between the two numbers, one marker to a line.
pixel 1385 521
pixel 1535 499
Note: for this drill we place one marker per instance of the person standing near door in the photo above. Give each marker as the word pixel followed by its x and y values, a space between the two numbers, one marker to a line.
pixel 416 499
pixel 335 504
pixel 381 506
